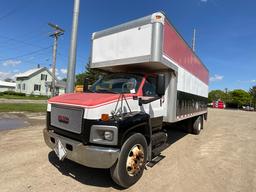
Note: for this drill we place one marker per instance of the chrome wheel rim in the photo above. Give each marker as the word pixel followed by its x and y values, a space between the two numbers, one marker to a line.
pixel 135 160
pixel 199 126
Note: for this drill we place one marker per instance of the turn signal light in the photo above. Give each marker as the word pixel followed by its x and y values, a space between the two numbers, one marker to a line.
pixel 104 117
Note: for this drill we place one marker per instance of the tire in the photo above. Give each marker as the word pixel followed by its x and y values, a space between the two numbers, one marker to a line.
pixel 197 125
pixel 133 150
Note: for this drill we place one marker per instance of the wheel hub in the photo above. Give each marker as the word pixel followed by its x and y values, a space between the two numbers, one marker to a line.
pixel 199 126
pixel 135 160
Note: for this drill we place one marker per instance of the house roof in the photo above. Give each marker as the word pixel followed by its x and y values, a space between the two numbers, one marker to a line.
pixel 29 72
pixel 33 72
pixel 7 84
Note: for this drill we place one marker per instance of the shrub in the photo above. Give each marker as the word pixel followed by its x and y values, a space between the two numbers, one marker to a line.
pixel 13 93
pixel 38 96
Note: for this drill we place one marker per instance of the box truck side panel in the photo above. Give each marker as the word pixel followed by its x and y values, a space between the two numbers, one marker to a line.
pixel 127 44
pixel 175 48
pixel 192 78
pixel 187 82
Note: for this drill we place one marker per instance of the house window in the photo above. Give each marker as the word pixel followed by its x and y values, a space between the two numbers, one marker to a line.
pixel 23 86
pixel 43 77
pixel 37 87
pixel 18 86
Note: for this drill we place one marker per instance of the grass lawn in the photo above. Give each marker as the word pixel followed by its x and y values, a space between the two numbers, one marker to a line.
pixel 30 107
pixel 23 97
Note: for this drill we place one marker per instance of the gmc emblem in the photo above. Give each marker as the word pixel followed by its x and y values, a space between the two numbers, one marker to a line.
pixel 63 119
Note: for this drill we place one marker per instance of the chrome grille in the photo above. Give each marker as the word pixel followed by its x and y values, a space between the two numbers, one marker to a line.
pixel 67 118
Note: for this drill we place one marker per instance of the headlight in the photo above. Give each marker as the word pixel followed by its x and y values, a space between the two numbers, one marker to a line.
pixel 104 134
pixel 108 135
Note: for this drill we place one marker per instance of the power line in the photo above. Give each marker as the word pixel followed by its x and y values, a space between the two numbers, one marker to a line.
pixel 27 54
pixel 42 62
pixel 12 11
pixel 28 36
pixel 64 56
pixel 9 13
pixel 19 41
pixel 29 57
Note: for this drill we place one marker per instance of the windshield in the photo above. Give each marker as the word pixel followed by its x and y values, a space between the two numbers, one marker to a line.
pixel 117 83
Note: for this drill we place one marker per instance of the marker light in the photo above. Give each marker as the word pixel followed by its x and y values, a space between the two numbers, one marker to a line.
pixel 104 117
pixel 158 16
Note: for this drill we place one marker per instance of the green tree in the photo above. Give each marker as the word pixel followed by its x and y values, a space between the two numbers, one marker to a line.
pixel 240 97
pixel 80 78
pixel 252 92
pixel 215 95
pixel 91 74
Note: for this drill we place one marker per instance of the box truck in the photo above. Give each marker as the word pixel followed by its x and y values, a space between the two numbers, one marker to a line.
pixel 152 78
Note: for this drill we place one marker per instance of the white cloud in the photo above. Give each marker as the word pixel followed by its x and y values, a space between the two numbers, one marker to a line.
pixel 216 77
pixel 60 73
pixel 64 71
pixel 59 77
pixel 247 81
pixel 11 62
pixel 56 71
pixel 4 75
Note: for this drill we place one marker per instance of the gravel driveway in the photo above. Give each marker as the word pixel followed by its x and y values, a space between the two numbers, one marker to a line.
pixel 221 158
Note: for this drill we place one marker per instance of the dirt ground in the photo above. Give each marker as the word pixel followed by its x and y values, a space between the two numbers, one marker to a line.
pixel 221 158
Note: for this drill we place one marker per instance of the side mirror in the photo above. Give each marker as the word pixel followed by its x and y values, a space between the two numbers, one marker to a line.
pixel 85 85
pixel 160 85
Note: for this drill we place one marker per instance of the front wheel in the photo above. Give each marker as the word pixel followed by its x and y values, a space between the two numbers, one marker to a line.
pixel 131 162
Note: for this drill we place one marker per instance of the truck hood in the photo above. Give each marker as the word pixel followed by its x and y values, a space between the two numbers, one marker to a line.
pixel 85 99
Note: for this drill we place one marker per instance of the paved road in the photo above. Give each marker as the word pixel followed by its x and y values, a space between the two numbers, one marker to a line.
pixel 222 158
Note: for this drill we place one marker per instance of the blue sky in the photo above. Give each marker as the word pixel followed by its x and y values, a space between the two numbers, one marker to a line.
pixel 226 33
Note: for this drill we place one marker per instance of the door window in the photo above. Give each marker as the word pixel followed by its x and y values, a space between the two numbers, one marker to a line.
pixel 149 88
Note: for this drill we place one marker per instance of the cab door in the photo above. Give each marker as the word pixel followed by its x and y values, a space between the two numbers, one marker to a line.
pixel 155 108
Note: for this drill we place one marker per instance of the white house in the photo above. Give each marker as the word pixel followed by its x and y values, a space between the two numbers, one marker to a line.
pixel 37 82
pixel 7 86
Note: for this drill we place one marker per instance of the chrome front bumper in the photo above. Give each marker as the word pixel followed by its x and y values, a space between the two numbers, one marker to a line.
pixel 88 155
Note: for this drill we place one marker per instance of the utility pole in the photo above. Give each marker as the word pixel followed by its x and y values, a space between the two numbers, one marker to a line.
pixel 56 33
pixel 72 51
pixel 194 40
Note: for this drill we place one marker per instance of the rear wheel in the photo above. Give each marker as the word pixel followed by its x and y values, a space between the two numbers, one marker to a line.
pixel 197 125
pixel 131 162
